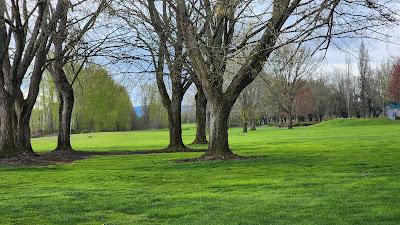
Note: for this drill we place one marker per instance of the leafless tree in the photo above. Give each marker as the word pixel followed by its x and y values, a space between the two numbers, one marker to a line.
pixel 67 37
pixel 286 79
pixel 24 29
pixel 163 40
pixel 365 77
pixel 212 38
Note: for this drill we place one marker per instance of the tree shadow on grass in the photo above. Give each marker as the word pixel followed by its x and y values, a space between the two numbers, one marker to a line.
pixel 52 158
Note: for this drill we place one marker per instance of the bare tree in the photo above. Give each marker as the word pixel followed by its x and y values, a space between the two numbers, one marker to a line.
pixel 67 37
pixel 289 68
pixel 154 25
pixel 365 73
pixel 24 31
pixel 211 38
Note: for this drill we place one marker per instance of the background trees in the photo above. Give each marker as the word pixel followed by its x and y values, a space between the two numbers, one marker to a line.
pixel 394 83
pixel 286 78
pixel 101 105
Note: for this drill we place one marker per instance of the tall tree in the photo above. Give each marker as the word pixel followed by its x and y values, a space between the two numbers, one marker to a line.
pixel 163 39
pixel 365 72
pixel 65 39
pixel 211 38
pixel 24 32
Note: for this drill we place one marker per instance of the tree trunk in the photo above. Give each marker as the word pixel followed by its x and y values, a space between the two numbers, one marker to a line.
pixel 66 104
pixel 175 124
pixel 252 123
pixel 8 147
pixel 201 110
pixel 23 109
pixel 244 124
pixel 218 144
pixel 290 116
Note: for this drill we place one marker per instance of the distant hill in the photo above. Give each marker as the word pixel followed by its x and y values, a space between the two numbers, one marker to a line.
pixel 140 108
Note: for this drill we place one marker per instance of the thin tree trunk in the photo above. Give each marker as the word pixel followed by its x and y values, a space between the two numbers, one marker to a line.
pixel 290 116
pixel 244 124
pixel 175 124
pixel 66 105
pixel 201 110
pixel 252 123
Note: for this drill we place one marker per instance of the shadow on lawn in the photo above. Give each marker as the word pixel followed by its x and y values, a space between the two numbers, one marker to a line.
pixel 51 158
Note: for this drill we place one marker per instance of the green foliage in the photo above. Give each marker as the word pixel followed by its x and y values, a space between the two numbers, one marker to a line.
pixel 101 104
pixel 308 175
pixel 154 113
pixel 44 119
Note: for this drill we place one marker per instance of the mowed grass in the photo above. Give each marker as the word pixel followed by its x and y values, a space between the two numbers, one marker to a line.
pixel 337 172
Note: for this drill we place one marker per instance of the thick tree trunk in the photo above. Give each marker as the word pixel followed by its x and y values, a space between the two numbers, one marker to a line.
pixel 218 144
pixel 201 117
pixel 66 105
pixel 22 115
pixel 23 134
pixel 8 147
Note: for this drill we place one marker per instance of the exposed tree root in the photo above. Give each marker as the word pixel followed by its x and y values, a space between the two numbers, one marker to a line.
pixel 176 149
pixel 199 142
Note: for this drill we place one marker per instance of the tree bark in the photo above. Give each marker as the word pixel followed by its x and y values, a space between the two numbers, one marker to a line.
pixel 244 124
pixel 252 123
pixel 290 112
pixel 66 105
pixel 201 110
pixel 8 147
pixel 219 117
pixel 175 123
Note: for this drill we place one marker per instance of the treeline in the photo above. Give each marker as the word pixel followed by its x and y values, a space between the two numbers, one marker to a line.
pixel 100 105
pixel 294 90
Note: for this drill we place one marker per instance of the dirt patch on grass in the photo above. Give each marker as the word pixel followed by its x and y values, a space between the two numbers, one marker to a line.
pixel 61 157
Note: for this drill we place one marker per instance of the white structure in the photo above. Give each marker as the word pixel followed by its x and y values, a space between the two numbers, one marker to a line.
pixel 393 111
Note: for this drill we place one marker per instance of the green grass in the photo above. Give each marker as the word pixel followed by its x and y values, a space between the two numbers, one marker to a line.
pixel 338 172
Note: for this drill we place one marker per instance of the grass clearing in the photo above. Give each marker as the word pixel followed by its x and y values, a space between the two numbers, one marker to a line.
pixel 337 172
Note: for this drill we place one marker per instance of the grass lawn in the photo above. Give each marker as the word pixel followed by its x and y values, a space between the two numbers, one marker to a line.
pixel 337 172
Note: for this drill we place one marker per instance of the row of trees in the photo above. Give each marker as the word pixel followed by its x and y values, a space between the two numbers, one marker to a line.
pixel 182 42
pixel 297 87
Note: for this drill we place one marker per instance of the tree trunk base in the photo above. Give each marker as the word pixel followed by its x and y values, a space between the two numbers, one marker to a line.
pixel 179 148
pixel 206 157
pixel 64 150
pixel 199 142
pixel 15 153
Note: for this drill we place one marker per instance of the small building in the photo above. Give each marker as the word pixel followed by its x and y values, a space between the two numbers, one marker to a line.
pixel 393 111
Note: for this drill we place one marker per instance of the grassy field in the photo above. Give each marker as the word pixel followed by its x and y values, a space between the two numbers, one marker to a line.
pixel 337 172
